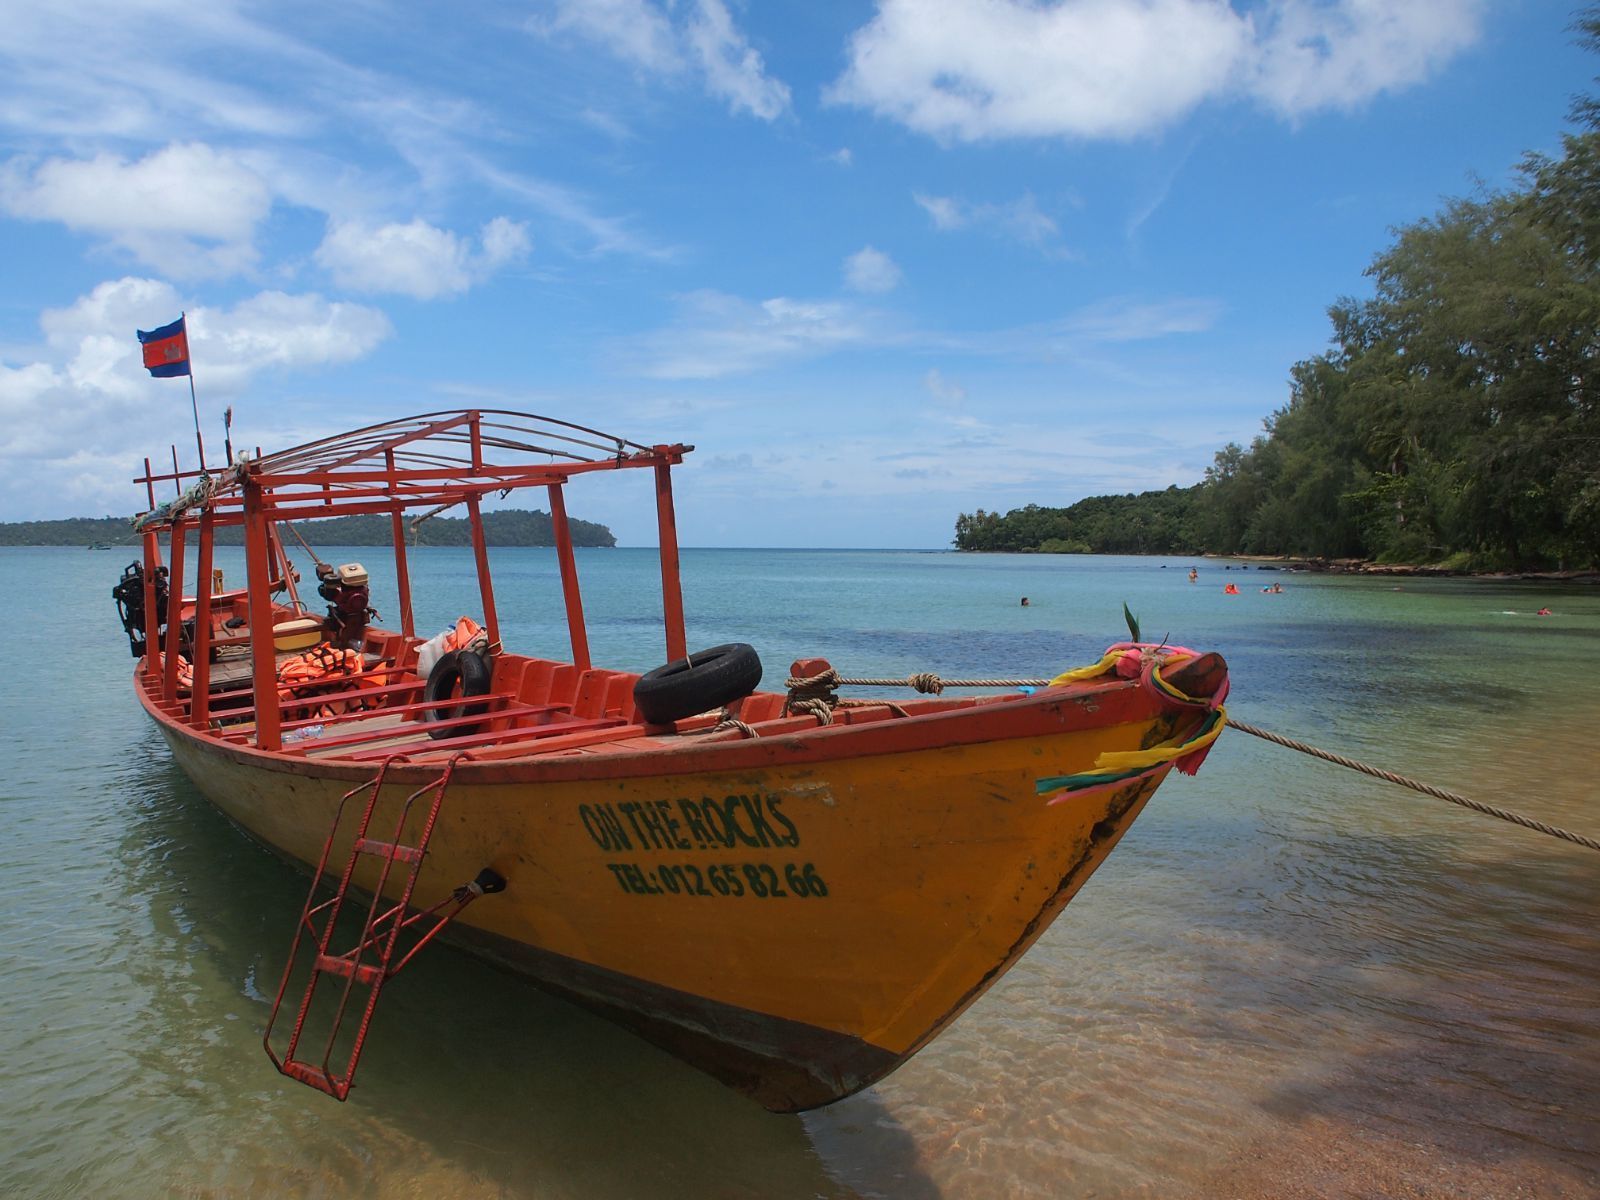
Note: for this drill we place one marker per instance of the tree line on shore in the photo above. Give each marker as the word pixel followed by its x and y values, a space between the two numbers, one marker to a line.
pixel 1454 419
pixel 506 527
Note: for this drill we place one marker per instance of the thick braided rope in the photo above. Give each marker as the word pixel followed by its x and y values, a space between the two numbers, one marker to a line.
pixel 929 682
pixel 818 708
pixel 1414 785
pixel 729 721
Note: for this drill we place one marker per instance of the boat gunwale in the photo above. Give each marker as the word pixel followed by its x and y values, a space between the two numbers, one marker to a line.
pixel 1048 711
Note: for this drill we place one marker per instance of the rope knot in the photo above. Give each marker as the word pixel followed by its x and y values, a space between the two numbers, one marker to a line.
pixel 927 681
pixel 726 721
pixel 814 694
pixel 820 709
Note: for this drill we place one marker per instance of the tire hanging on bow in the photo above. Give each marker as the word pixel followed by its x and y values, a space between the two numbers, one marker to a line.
pixel 705 680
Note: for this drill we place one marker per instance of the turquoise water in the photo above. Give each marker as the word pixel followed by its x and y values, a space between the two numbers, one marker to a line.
pixel 1278 949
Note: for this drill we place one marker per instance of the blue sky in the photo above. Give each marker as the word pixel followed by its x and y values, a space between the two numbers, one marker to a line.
pixel 881 263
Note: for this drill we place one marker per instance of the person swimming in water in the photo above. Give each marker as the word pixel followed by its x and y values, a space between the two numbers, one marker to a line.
pixel 1194 575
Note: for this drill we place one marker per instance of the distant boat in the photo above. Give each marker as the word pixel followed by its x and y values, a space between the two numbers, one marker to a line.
pixel 791 894
pixel 100 546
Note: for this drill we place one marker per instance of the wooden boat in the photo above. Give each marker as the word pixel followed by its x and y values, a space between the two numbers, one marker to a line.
pixel 790 891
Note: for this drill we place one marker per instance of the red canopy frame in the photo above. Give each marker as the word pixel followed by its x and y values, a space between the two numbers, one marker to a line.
pixel 429 461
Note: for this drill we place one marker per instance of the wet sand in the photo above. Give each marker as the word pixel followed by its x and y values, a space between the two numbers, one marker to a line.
pixel 1465 1109
pixel 1345 1159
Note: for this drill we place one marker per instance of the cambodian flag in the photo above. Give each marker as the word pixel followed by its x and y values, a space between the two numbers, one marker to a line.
pixel 166 350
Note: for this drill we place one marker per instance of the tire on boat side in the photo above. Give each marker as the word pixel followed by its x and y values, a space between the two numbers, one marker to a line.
pixel 705 680
pixel 472 673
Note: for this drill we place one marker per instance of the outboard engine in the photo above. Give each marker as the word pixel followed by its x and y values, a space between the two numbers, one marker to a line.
pixel 129 595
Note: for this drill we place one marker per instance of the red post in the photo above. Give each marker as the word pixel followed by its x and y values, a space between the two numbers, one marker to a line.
pixel 152 617
pixel 263 656
pixel 480 550
pixel 576 629
pixel 671 582
pixel 402 575
pixel 200 693
pixel 169 673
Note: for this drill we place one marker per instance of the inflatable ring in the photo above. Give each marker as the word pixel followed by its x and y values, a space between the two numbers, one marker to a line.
pixel 460 668
pixel 705 680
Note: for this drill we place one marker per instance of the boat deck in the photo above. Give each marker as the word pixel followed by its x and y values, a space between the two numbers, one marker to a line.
pixel 534 707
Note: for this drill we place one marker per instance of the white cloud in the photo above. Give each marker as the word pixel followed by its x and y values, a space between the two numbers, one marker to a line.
pixel 716 335
pixel 91 73
pixel 87 69
pixel 186 210
pixel 1314 56
pixel 636 31
pixel 77 415
pixel 946 391
pixel 947 212
pixel 733 70
pixel 1085 331
pixel 504 242
pixel 704 42
pixel 275 329
pixel 1020 220
pixel 1125 320
pixel 968 70
pixel 872 271
pixel 359 136
pixel 417 259
pixel 608 234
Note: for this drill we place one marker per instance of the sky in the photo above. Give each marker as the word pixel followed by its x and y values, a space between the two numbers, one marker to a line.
pixel 881 263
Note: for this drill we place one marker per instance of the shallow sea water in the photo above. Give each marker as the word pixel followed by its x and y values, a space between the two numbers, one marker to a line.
pixel 1286 977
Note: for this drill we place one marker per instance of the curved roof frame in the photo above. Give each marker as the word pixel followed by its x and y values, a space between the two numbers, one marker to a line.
pixel 427 460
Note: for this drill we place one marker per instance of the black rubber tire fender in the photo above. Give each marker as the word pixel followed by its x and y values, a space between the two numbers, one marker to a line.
pixel 458 668
pixel 705 680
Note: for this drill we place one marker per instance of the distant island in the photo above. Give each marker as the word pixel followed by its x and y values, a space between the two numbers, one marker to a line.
pixel 507 527
pixel 1149 523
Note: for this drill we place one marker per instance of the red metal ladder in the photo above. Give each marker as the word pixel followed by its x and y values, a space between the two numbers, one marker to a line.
pixel 370 963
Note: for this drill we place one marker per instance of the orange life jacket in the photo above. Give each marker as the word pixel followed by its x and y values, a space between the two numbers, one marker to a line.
pixel 465 632
pixel 320 670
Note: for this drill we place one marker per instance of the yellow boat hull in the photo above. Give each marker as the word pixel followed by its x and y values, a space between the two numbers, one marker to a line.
pixel 796 928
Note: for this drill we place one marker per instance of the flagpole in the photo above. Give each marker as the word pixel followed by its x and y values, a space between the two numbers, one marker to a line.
pixel 194 404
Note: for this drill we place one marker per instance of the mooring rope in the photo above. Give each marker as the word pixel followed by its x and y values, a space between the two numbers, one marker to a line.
pixel 928 682
pixel 1417 786
pixel 810 694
